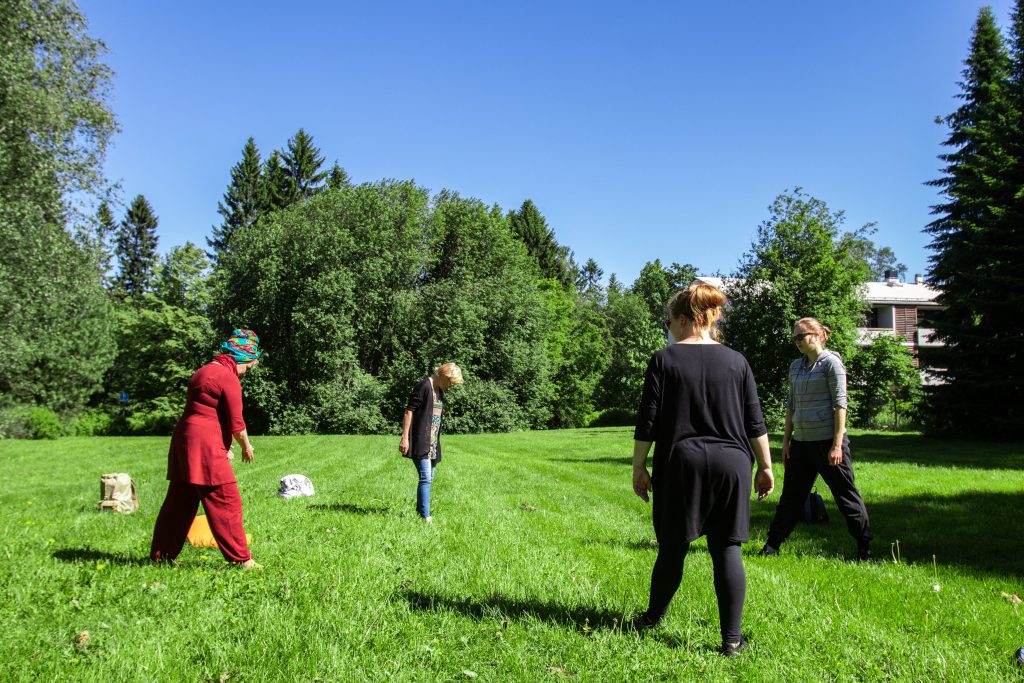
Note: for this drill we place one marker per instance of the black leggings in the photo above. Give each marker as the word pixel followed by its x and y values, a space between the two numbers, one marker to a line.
pixel 730 583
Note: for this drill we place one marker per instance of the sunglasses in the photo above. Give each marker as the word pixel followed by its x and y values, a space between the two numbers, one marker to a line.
pixel 798 337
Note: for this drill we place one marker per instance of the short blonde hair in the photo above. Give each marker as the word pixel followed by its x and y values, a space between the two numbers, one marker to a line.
pixel 819 330
pixel 452 371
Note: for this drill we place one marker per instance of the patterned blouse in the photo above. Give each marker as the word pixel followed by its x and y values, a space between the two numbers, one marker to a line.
pixel 435 424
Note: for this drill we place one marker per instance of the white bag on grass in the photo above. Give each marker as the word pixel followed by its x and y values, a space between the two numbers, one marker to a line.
pixel 117 493
pixel 295 486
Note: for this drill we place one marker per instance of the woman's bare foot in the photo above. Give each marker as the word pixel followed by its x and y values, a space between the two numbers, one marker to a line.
pixel 251 565
pixel 428 520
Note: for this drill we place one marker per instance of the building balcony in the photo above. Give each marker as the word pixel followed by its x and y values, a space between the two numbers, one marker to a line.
pixel 924 338
pixel 865 335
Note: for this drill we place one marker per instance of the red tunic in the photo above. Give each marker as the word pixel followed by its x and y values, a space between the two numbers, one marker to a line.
pixel 213 412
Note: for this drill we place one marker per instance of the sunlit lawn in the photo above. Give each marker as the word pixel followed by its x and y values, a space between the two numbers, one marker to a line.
pixel 538 554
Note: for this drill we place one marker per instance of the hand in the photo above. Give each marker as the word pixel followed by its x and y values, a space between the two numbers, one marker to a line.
pixel 231 453
pixel 785 454
pixel 764 482
pixel 247 453
pixel 835 456
pixel 403 445
pixel 642 483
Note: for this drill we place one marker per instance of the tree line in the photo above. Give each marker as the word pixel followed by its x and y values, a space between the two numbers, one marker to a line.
pixel 357 290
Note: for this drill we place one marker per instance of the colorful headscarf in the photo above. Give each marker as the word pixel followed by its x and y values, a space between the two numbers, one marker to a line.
pixel 244 345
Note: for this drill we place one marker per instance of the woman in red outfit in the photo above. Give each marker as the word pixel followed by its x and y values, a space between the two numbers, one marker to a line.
pixel 198 464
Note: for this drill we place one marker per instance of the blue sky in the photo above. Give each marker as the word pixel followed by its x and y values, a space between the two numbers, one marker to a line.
pixel 641 130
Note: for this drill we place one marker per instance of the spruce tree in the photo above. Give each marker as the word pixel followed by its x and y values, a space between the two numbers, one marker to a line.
pixel 244 200
pixel 302 163
pixel 531 228
pixel 973 264
pixel 277 192
pixel 338 177
pixel 136 250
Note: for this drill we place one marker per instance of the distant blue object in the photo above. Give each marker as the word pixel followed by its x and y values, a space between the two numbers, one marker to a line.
pixel 123 397
pixel 1020 656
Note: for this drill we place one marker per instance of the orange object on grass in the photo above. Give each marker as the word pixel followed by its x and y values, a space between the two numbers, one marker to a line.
pixel 200 536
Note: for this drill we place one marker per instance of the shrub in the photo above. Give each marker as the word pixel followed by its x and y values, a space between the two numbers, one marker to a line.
pixel 482 406
pixel 27 422
pixel 94 422
pixel 613 417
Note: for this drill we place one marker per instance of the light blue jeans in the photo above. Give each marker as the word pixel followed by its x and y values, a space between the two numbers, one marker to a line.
pixel 425 468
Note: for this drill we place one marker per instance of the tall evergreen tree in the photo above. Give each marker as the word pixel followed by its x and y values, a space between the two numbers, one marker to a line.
pixel 338 177
pixel 531 228
pixel 136 250
pixel 302 163
pixel 277 192
pixel 973 265
pixel 588 279
pixel 244 200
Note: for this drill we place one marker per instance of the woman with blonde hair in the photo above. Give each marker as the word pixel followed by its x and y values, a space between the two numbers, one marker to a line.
pixel 814 441
pixel 421 430
pixel 701 410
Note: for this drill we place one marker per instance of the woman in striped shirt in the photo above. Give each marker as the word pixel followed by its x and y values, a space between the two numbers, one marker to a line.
pixel 815 440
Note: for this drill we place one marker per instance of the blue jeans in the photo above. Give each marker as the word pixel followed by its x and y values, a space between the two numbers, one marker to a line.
pixel 425 468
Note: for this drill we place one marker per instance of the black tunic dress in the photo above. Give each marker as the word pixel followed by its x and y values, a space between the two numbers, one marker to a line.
pixel 700 407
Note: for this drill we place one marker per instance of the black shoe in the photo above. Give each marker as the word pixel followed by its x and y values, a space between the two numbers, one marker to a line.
pixel 768 551
pixel 642 622
pixel 733 649
pixel 864 554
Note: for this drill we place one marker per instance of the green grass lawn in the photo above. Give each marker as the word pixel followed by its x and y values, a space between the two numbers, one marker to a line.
pixel 538 552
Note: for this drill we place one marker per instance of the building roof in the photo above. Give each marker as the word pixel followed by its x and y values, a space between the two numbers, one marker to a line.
pixel 888 292
pixel 899 293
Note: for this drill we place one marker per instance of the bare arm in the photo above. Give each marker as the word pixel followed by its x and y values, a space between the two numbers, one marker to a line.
pixel 641 479
pixel 764 478
pixel 242 438
pixel 403 445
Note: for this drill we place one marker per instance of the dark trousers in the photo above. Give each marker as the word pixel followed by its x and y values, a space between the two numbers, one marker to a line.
pixel 808 459
pixel 223 505
pixel 730 583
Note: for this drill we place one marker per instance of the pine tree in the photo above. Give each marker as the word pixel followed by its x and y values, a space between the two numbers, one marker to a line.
pixel 531 228
pixel 973 264
pixel 277 192
pixel 338 177
pixel 136 250
pixel 244 200
pixel 588 279
pixel 302 162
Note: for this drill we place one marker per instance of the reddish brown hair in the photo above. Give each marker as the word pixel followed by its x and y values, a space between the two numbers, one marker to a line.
pixel 700 303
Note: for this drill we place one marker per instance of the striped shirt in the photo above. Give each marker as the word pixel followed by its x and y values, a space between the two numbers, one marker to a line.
pixel 816 391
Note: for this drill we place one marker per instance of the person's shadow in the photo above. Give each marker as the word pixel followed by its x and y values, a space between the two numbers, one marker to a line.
pixel 497 606
pixel 79 555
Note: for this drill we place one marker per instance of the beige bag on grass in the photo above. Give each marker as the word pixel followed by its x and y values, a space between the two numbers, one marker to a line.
pixel 117 493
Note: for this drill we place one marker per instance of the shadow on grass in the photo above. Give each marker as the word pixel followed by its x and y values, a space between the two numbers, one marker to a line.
pixel 978 531
pixel 79 555
pixel 351 508
pixel 930 452
pixel 499 606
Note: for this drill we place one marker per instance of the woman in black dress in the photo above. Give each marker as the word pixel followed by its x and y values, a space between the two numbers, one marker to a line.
pixel 700 409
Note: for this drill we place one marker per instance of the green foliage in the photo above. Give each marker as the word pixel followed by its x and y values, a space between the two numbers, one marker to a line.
pixel 978 243
pixel 302 163
pixel 878 259
pixel 55 319
pixel 276 184
pixel 244 201
pixel 531 228
pixel 634 339
pixel 30 422
pixel 656 285
pixel 159 347
pixel 136 250
pixel 483 406
pixel 338 177
pixel 798 266
pixel 56 119
pixel 588 278
pixel 182 279
pixel 882 376
pixel 93 422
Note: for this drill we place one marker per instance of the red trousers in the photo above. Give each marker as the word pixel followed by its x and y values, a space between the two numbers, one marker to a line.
pixel 223 505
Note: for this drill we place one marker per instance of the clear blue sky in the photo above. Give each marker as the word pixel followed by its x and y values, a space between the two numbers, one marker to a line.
pixel 641 130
